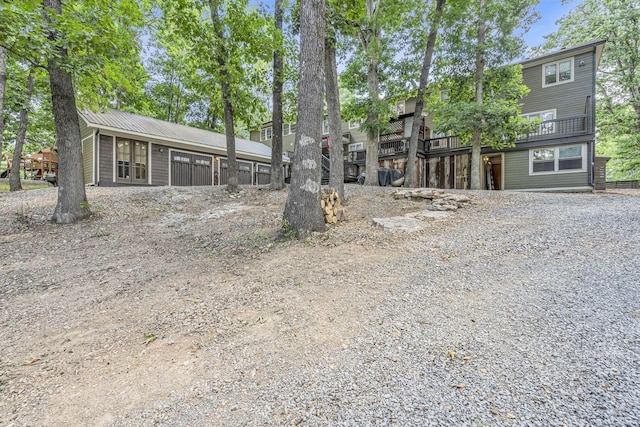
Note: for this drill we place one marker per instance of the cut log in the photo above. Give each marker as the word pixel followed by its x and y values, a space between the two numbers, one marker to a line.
pixel 331 207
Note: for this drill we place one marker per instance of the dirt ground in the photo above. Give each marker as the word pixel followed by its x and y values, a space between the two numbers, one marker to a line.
pixel 152 294
pixel 182 268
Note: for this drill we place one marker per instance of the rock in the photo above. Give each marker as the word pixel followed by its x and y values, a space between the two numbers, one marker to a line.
pixel 458 198
pixel 445 204
pixel 425 193
pixel 429 215
pixel 402 194
pixel 399 223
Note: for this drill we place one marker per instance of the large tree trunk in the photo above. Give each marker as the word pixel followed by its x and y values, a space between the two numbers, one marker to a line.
pixel 14 177
pixel 336 172
pixel 72 200
pixel 3 81
pixel 277 176
pixel 477 134
pixel 302 211
pixel 225 86
pixel 374 95
pixel 410 179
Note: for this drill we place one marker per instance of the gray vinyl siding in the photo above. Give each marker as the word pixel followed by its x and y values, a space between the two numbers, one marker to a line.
pixel 355 135
pixel 85 131
pixel 86 134
pixel 410 105
pixel 567 98
pixel 87 160
pixel 288 141
pixel 106 160
pixel 516 170
pixel 159 165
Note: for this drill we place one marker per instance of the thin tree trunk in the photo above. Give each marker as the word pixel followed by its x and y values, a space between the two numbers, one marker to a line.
pixel 302 211
pixel 411 178
pixel 3 81
pixel 176 114
pixel 477 133
pixel 170 103
pixel 374 94
pixel 72 200
pixel 14 177
pixel 225 86
pixel 277 176
pixel 336 171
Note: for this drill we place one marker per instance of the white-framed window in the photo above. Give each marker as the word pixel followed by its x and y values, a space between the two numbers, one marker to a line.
pixel 400 107
pixel 266 133
pixel 555 73
pixel 356 146
pixel 288 128
pixel 325 127
pixel 547 125
pixel 564 159
pixel 355 124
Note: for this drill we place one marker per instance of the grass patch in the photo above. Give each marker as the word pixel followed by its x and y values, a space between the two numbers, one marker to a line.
pixel 4 187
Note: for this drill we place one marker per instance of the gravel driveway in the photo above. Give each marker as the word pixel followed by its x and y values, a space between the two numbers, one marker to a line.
pixel 520 309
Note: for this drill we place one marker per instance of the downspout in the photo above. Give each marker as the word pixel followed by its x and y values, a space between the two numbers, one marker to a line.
pixel 592 119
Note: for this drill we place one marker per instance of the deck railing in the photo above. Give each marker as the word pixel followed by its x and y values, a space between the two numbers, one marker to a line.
pixel 549 129
pixel 559 127
pixel 385 149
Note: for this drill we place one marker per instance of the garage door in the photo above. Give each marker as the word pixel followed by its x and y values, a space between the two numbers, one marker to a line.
pixel 188 169
pixel 244 172
pixel 263 175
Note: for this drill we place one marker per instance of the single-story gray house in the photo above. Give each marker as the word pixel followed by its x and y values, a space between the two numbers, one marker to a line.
pixel 121 148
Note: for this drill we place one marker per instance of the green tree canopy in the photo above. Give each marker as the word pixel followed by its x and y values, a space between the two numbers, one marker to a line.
pixel 618 82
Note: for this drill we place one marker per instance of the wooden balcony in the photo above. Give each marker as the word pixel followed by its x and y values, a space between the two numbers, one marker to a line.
pixel 550 129
pixel 385 149
pixel 558 128
pixel 397 129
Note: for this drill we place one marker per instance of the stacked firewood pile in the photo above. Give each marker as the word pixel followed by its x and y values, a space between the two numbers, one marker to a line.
pixel 331 207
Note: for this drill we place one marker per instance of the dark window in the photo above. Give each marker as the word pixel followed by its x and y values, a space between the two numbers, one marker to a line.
pixel 131 160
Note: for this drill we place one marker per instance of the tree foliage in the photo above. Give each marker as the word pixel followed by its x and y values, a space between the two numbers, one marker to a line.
pixel 376 28
pixel 482 107
pixel 230 47
pixel 497 119
pixel 618 82
pixel 435 8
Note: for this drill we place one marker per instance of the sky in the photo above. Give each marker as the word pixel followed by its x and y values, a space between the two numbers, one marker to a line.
pixel 550 11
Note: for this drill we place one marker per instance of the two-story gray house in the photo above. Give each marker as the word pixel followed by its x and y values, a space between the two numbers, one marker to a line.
pixel 559 155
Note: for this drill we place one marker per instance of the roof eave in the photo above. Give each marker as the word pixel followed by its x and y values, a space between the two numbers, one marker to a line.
pixel 571 51
pixel 218 150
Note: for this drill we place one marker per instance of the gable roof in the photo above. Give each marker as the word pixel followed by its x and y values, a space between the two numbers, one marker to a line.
pixel 142 126
pixel 598 45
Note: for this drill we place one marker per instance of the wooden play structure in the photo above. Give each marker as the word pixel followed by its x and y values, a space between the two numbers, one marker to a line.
pixel 41 165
